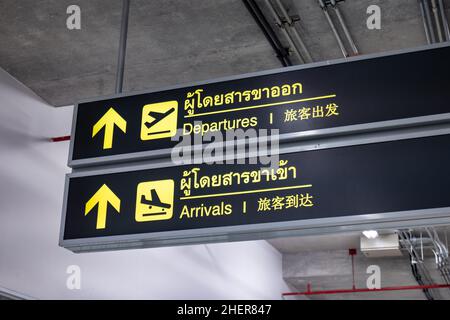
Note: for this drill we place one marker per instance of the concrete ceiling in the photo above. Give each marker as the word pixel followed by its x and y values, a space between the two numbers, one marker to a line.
pixel 168 42
pixel 172 42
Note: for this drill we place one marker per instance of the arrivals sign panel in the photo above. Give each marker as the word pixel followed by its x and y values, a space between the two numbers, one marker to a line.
pixel 126 208
pixel 294 100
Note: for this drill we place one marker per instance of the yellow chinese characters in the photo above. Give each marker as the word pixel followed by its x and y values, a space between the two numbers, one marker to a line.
pixel 285 202
pixel 306 113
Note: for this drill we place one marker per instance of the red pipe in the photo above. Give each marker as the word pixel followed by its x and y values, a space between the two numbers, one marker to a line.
pixel 59 139
pixel 352 253
pixel 337 291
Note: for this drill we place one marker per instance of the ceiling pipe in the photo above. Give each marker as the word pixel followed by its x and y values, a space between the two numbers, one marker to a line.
pixel 435 10
pixel 425 22
pixel 281 53
pixel 420 241
pixel 333 28
pixel 439 250
pixel 60 139
pixel 284 31
pixel 418 270
pixel 421 246
pixel 428 20
pixel 441 254
pixel 437 242
pixel 358 290
pixel 416 262
pixel 122 45
pixel 344 27
pixel 444 20
pixel 415 259
pixel 291 23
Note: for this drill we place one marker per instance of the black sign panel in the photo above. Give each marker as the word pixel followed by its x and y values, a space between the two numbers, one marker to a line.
pixel 292 100
pixel 348 181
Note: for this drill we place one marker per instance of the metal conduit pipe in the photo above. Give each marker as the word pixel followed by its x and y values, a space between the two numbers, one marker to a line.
pixel 271 37
pixel 424 20
pixel 434 8
pixel 444 20
pixel 442 257
pixel 283 30
pixel 294 31
pixel 344 27
pixel 445 276
pixel 424 270
pixel 438 248
pixel 122 45
pixel 418 275
pixel 406 237
pixel 428 20
pixel 333 28
pixel 424 243
pixel 442 245
pixel 441 254
pixel 443 269
pixel 418 278
pixel 437 243
pixel 446 273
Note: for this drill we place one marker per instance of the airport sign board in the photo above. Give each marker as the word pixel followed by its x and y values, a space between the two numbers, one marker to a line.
pixel 145 206
pixel 344 96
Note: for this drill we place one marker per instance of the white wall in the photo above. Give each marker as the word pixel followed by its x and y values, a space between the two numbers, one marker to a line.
pixel 32 173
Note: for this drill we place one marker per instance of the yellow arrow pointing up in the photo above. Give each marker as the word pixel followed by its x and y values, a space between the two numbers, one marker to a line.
pixel 102 197
pixel 109 119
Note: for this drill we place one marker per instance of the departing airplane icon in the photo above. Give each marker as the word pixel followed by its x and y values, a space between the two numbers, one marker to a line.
pixel 155 201
pixel 158 116
pixel 159 120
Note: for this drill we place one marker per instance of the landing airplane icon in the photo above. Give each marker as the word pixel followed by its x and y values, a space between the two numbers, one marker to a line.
pixel 155 202
pixel 158 116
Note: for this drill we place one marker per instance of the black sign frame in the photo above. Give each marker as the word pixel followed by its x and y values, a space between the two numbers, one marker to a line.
pixel 287 137
pixel 411 218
